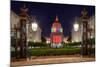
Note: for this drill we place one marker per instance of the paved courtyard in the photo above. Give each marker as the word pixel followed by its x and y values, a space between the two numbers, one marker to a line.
pixel 52 60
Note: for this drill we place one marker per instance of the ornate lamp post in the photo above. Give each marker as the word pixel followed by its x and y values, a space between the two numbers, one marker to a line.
pixel 84 19
pixel 34 27
pixel 23 30
pixel 23 33
pixel 76 28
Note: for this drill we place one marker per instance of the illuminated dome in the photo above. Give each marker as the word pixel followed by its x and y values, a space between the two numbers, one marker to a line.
pixel 56 26
pixel 56 23
pixel 56 34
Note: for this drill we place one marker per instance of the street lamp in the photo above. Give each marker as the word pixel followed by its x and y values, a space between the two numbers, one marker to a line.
pixel 34 26
pixel 76 28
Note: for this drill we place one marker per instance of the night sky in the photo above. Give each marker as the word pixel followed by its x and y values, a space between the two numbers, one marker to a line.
pixel 46 12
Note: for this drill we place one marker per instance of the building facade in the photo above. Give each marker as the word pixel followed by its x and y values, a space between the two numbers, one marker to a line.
pixel 56 34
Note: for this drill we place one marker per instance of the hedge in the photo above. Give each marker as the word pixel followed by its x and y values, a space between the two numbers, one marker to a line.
pixel 72 44
pixel 37 44
pixel 41 44
pixel 54 51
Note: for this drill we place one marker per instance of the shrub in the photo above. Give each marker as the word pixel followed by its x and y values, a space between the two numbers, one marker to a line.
pixel 72 44
pixel 54 51
pixel 37 44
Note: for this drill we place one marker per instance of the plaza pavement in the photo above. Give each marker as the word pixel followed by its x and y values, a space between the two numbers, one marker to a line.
pixel 51 60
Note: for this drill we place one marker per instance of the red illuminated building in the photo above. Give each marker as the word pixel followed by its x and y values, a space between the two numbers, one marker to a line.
pixel 56 34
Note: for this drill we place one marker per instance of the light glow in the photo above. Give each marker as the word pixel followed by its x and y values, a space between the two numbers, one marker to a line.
pixel 57 39
pixel 76 26
pixel 56 30
pixel 34 26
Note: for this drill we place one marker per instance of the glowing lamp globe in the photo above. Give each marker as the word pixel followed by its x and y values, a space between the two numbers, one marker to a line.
pixel 34 26
pixel 76 27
